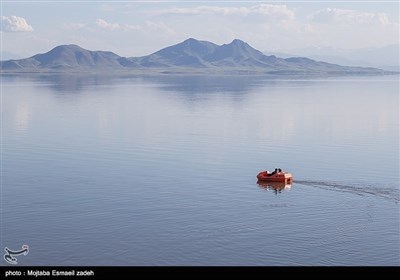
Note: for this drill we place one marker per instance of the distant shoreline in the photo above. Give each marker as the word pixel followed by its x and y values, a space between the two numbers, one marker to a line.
pixel 203 72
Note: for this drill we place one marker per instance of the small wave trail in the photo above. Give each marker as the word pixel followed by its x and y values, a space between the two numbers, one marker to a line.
pixel 388 193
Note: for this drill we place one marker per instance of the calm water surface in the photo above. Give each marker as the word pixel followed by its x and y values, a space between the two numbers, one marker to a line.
pixel 160 170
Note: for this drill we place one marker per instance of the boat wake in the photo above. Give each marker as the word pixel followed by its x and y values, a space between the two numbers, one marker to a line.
pixel 392 194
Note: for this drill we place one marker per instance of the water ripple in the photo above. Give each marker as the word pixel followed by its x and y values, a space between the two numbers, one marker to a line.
pixel 387 193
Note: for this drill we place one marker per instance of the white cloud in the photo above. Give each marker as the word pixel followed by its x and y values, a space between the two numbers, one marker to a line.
pixel 352 28
pixel 160 27
pixel 268 10
pixel 101 24
pixel 330 15
pixel 15 24
pixel 106 25
pixel 281 11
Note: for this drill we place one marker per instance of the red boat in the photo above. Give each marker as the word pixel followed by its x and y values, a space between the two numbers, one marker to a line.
pixel 276 176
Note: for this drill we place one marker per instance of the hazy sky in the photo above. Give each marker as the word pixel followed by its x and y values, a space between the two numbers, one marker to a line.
pixel 134 28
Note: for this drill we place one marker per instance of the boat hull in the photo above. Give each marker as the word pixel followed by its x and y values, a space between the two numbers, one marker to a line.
pixel 283 177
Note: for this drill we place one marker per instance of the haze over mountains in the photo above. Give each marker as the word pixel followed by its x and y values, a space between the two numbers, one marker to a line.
pixel 190 55
pixel 386 57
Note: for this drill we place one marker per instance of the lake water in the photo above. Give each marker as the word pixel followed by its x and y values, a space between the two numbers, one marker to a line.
pixel 161 170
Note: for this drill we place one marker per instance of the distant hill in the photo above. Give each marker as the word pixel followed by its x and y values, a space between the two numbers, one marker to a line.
pixel 190 55
pixel 386 57
pixel 66 57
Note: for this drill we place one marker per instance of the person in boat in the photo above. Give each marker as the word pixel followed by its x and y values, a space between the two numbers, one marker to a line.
pixel 274 172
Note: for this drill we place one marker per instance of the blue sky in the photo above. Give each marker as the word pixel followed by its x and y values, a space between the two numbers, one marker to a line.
pixel 134 28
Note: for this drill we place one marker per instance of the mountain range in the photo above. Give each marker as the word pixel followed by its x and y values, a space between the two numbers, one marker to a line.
pixel 190 55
